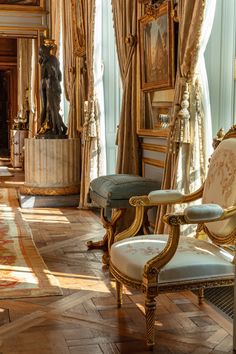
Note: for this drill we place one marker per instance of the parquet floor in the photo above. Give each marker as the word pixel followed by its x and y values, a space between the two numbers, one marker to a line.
pixel 85 319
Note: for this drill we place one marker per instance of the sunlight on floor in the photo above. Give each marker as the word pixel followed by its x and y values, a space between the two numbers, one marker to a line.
pixel 75 276
pixel 48 220
pixel 13 183
pixel 44 215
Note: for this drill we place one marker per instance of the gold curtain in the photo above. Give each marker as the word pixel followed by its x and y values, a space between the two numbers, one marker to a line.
pixel 26 67
pixel 186 111
pixel 90 132
pixel 55 23
pixel 125 23
pixel 69 61
pixel 78 18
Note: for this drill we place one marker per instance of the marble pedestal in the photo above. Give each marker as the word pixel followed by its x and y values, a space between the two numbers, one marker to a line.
pixel 52 167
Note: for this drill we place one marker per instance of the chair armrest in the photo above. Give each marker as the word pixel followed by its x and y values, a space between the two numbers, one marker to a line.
pixel 168 196
pixel 200 214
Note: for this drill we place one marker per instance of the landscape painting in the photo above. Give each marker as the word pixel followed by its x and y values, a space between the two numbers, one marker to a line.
pixel 156 49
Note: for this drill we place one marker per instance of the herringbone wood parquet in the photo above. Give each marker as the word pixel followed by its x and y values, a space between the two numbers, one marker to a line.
pixel 85 319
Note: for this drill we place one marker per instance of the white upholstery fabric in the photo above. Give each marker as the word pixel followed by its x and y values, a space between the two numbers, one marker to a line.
pixel 165 196
pixel 194 259
pixel 203 212
pixel 220 185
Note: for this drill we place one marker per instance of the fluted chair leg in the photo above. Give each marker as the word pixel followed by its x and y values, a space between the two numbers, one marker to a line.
pixel 119 293
pixel 150 308
pixel 200 296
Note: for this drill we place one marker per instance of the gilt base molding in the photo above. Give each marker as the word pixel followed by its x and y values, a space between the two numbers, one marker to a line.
pixel 27 190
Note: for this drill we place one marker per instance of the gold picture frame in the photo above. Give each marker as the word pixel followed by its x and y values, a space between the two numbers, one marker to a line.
pixel 156 34
pixel 23 5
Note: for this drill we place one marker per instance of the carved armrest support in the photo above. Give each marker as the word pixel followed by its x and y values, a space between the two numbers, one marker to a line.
pixel 154 265
pixel 154 198
pixel 134 227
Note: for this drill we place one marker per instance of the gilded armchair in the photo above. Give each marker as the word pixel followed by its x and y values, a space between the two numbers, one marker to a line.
pixel 157 263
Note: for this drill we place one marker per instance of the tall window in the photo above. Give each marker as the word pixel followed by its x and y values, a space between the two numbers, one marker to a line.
pixel 108 82
pixel 220 58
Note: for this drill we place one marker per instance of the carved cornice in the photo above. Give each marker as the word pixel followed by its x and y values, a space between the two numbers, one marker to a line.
pixel 153 6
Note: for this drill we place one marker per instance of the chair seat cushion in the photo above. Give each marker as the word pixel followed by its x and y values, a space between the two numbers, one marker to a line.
pixel 194 259
pixel 115 190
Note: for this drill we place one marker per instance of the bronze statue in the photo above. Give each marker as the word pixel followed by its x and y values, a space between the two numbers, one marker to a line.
pixel 52 125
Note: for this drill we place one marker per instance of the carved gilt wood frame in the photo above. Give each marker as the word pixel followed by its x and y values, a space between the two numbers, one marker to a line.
pixel 156 36
pixel 24 7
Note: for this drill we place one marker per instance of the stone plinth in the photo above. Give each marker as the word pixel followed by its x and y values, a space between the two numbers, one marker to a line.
pixel 52 167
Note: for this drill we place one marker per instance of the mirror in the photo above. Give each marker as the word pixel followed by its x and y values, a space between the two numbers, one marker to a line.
pixel 156 110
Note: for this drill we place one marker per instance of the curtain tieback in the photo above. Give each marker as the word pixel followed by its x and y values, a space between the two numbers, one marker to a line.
pixel 182 126
pixel 72 70
pixel 89 126
pixel 131 39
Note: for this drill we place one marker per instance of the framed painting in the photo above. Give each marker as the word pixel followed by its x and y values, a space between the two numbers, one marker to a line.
pixel 156 33
pixel 22 4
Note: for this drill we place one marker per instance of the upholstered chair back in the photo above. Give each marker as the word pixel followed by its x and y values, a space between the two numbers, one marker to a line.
pixel 220 185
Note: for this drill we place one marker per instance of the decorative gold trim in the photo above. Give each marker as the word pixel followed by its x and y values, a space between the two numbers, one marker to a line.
pixel 152 147
pixel 231 133
pixel 152 7
pixel 220 240
pixel 218 138
pixel 153 162
pixel 194 196
pixel 161 133
pixel 49 191
pixel 24 32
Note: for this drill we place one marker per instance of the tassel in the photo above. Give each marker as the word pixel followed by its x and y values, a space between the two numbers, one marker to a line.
pixel 182 130
pixel 92 129
pixel 89 126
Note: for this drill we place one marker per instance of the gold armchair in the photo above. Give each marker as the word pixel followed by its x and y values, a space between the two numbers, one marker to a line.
pixel 157 263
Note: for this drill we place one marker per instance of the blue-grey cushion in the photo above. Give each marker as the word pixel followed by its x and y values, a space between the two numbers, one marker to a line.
pixel 115 190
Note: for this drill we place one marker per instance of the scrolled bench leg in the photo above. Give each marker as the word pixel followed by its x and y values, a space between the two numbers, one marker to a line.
pixel 108 238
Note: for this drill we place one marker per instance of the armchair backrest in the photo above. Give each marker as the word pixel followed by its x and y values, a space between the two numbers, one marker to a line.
pixel 220 185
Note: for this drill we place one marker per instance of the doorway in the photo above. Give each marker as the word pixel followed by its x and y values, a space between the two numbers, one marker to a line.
pixel 4 112
pixel 8 90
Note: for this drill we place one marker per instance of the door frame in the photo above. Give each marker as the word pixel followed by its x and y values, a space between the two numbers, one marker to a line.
pixel 11 68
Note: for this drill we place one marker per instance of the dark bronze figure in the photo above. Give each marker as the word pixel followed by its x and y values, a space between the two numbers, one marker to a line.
pixel 52 125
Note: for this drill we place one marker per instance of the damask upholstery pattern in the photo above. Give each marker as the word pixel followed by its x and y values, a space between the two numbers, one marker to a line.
pixel 194 259
pixel 220 185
